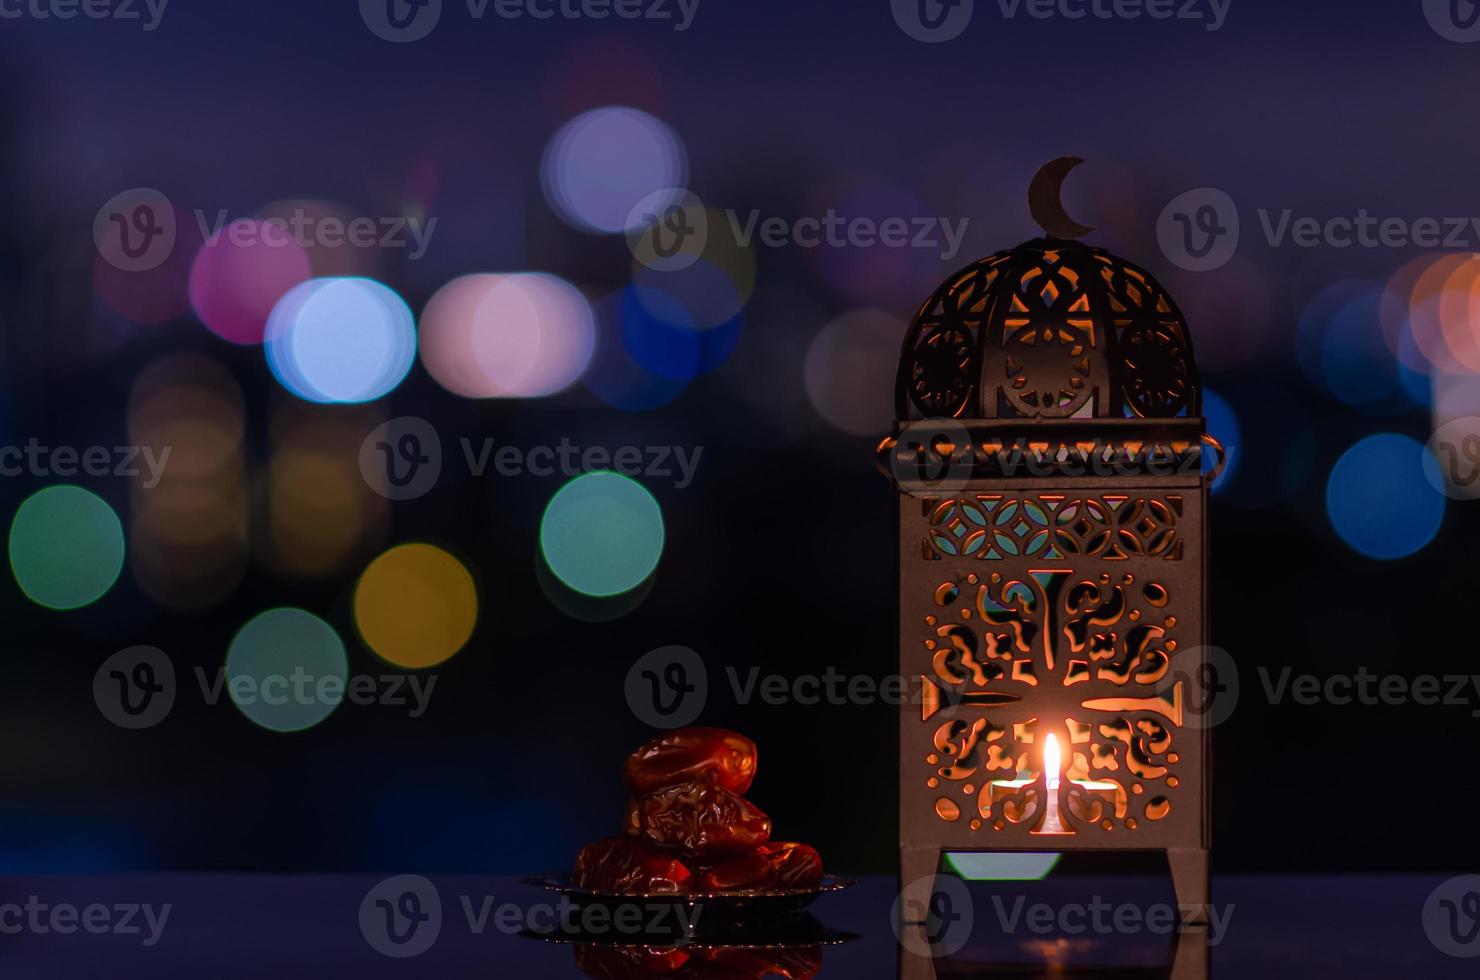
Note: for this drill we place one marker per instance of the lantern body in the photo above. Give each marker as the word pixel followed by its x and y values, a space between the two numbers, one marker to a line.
pixel 1048 462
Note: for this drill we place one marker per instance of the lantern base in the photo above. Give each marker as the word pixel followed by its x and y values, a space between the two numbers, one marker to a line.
pixel 920 957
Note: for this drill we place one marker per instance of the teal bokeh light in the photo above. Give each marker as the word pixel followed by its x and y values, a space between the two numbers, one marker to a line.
pixel 286 670
pixel 66 547
pixel 602 534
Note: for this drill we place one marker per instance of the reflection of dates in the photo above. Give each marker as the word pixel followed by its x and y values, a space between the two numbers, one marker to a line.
pixel 773 866
pixel 798 963
pixel 629 866
pixel 701 819
pixel 693 755
pixel 628 962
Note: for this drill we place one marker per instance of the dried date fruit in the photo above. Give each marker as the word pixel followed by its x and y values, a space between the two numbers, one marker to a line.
pixel 703 820
pixel 771 867
pixel 630 866
pixel 692 755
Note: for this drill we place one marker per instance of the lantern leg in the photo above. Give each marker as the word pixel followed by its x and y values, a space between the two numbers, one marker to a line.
pixel 1191 960
pixel 1189 867
pixel 917 870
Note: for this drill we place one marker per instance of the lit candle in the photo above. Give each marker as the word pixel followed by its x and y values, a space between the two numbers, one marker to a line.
pixel 1052 824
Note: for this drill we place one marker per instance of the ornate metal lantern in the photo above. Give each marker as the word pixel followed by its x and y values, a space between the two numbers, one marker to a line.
pixel 1047 455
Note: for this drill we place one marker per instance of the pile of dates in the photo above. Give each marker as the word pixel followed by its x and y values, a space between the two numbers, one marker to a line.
pixel 689 828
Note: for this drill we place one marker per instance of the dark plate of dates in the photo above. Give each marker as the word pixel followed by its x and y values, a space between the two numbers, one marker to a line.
pixel 714 908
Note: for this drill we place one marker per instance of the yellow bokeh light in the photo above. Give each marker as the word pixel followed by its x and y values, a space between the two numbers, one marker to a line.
pixel 416 606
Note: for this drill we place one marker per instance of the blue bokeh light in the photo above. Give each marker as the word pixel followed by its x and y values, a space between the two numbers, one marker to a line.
pixel 1379 500
pixel 341 340
pixel 619 379
pixel 1223 426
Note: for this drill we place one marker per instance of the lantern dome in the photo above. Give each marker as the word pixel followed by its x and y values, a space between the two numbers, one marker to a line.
pixel 1050 329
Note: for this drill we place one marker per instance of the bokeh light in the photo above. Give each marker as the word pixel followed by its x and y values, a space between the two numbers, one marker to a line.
pixel 661 334
pixel 526 335
pixel 341 340
pixel 710 296
pixel 337 241
pixel 602 534
pixel 286 670
pixel 188 535
pixel 615 376
pixel 239 275
pixel 850 370
pixel 1379 499
pixel 1356 365
pixel 322 517
pixel 66 547
pixel 1223 426
pixel 416 606
pixel 599 165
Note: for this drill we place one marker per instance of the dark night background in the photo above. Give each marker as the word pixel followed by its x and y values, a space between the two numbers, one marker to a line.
pixel 781 554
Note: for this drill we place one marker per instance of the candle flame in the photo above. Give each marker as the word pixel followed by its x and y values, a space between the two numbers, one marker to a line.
pixel 1051 761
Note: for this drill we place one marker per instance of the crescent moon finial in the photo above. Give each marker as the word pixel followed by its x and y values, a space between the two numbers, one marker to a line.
pixel 1046 201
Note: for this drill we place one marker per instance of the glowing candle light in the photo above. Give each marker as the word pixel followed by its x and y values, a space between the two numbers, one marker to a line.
pixel 1052 764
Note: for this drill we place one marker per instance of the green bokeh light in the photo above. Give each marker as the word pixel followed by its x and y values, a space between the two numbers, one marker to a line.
pixel 66 547
pixel 286 670
pixel 602 534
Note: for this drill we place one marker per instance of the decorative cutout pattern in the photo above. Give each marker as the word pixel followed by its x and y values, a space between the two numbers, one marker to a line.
pixel 1003 650
pixel 1051 329
pixel 1113 527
